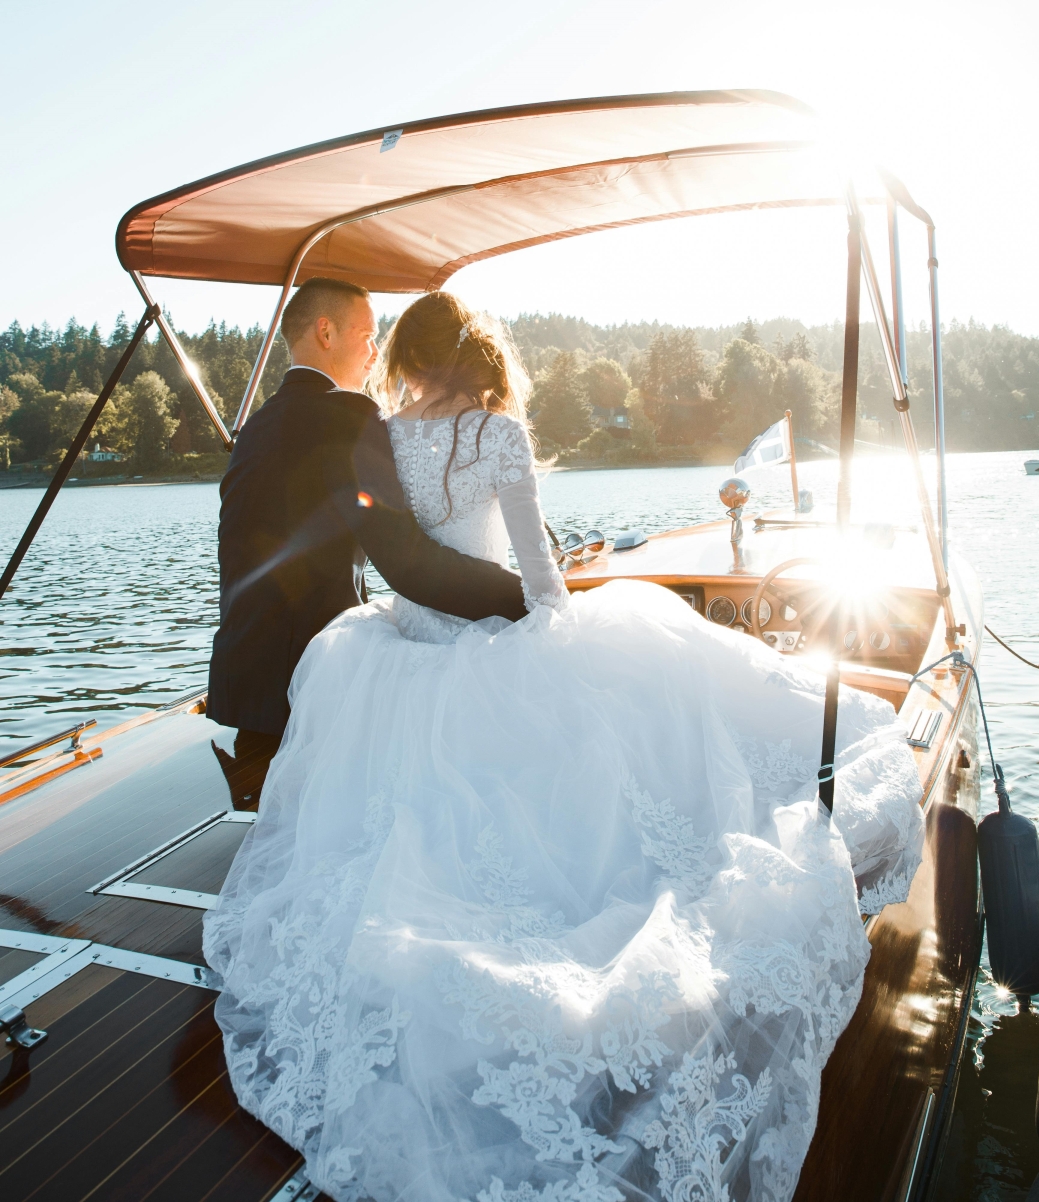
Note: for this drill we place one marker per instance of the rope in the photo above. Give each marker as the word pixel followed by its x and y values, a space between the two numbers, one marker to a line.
pixel 1006 647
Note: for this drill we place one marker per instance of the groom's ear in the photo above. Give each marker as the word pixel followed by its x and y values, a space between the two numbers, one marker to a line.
pixel 325 331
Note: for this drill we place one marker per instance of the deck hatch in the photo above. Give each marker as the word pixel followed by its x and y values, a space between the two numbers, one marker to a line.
pixel 68 956
pixel 124 883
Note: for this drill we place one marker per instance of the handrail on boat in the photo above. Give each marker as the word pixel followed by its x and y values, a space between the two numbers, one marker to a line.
pixel 72 733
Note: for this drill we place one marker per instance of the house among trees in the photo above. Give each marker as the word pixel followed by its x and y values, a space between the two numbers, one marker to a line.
pixel 102 454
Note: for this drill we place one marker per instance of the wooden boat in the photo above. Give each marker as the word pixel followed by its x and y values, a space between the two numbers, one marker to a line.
pixel 113 846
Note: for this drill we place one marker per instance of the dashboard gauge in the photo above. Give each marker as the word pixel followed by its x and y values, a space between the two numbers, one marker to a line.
pixel 722 610
pixel 879 640
pixel 852 640
pixel 788 613
pixel 747 610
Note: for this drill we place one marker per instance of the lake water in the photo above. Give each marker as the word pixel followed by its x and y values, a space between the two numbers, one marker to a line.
pixel 114 607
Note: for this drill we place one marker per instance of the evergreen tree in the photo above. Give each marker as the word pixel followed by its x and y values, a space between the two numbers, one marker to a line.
pixel 147 419
pixel 675 387
pixel 32 421
pixel 605 384
pixel 643 432
pixel 749 333
pixel 745 386
pixel 562 414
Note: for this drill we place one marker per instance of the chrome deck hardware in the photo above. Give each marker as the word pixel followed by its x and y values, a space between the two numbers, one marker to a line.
pixel 297 1189
pixel 12 1020
pixel 924 728
pixel 734 494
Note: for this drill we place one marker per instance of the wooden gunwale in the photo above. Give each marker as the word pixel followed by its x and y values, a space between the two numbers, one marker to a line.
pixel 39 772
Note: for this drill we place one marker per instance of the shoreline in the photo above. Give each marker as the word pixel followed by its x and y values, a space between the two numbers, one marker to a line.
pixel 42 481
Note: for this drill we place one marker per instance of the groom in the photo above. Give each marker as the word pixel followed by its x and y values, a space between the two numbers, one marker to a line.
pixel 310 494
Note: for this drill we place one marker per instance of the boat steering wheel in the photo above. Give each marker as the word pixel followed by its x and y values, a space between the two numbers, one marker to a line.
pixel 764 583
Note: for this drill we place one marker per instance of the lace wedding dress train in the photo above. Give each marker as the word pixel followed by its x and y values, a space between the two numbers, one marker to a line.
pixel 547 911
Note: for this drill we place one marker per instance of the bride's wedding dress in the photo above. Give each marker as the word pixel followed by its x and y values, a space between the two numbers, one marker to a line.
pixel 547 911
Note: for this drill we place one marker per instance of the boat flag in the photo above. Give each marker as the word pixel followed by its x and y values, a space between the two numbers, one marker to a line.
pixel 771 447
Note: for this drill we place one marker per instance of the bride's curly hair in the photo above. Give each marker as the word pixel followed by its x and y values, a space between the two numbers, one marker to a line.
pixel 451 350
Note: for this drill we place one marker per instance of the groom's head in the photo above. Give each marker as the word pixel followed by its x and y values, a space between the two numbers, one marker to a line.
pixel 330 325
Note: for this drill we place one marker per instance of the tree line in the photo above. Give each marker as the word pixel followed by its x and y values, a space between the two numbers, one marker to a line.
pixel 636 392
pixel 711 390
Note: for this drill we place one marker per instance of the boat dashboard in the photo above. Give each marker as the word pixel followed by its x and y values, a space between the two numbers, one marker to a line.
pixel 889 629
pixel 873 581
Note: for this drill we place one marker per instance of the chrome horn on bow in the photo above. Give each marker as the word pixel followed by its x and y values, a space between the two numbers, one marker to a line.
pixel 574 547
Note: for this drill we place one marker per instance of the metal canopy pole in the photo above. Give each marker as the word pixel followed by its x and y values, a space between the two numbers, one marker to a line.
pixel 151 314
pixel 939 393
pixel 188 368
pixel 901 399
pixel 305 247
pixel 849 398
pixel 897 310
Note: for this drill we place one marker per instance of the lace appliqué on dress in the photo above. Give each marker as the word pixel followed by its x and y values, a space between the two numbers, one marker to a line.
pixel 697 1125
pixel 668 839
pixel 587 1186
pixel 315 1070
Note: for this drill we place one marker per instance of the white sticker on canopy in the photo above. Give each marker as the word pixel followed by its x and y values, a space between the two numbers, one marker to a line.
pixel 390 139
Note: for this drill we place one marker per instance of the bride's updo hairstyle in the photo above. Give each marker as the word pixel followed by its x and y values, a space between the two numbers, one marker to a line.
pixel 450 349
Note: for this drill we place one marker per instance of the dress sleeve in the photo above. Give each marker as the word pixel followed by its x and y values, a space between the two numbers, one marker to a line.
pixel 517 489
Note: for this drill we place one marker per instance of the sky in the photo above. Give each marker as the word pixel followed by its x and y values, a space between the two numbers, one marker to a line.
pixel 106 103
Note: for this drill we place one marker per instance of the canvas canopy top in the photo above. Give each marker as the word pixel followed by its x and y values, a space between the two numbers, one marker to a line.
pixel 403 209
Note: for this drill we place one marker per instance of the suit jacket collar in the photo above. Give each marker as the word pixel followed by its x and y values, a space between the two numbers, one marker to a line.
pixel 310 378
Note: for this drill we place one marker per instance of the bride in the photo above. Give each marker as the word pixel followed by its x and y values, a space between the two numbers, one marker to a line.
pixel 547 911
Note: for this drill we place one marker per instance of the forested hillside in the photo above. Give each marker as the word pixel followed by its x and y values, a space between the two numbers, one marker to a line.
pixel 627 393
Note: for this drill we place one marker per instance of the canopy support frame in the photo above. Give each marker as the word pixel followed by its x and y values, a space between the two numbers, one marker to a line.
pixel 901 401
pixel 849 402
pixel 939 392
pixel 61 474
pixel 186 366
pixel 304 248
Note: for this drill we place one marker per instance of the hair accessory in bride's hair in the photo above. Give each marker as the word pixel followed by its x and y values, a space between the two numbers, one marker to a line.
pixel 462 336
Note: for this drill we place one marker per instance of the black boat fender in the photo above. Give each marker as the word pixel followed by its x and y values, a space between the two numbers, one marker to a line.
pixel 1008 848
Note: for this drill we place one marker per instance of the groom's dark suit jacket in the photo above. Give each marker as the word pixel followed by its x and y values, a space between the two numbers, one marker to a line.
pixel 294 539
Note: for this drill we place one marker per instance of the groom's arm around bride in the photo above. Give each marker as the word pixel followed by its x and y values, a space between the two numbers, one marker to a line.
pixel 294 536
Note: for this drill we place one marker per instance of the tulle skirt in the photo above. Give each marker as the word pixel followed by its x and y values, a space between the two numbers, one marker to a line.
pixel 550 911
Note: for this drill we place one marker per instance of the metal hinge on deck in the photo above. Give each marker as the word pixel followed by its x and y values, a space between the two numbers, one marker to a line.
pixel 12 1020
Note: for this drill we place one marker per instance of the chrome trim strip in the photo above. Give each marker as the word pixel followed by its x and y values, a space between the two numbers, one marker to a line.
pixel 921 1132
pixel 164 849
pixel 160 967
pixel 162 893
pixel 67 950
pixel 73 955
pixel 296 1189
pixel 29 941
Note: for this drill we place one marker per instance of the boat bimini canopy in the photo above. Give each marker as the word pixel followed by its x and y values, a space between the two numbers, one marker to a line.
pixel 403 209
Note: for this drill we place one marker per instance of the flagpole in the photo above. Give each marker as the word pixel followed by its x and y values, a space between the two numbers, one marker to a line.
pixel 793 462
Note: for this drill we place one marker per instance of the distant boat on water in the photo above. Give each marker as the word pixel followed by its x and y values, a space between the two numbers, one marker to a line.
pixel 1032 467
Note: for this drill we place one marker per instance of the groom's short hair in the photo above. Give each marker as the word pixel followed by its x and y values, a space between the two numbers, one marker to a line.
pixel 319 297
